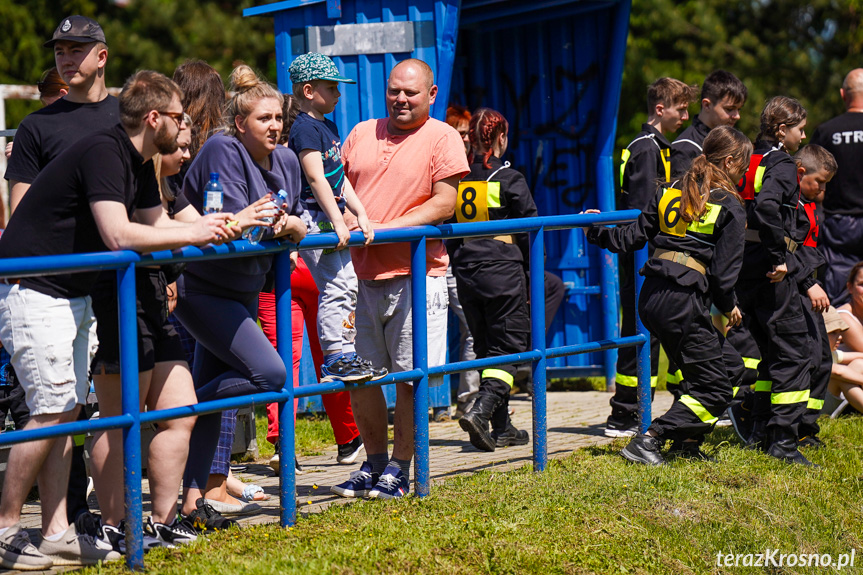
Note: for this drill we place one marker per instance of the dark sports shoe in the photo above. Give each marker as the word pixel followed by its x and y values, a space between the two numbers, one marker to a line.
pixel 810 441
pixel 349 451
pixel 16 552
pixel 377 372
pixel 347 370
pixel 359 484
pixel 88 523
pixel 644 449
pixel 170 535
pixel 205 518
pixel 615 428
pixel 116 538
pixel 689 450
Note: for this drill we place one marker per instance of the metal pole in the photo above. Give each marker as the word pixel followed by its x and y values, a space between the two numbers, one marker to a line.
pixel 537 331
pixel 609 280
pixel 284 339
pixel 644 391
pixel 131 407
pixel 419 327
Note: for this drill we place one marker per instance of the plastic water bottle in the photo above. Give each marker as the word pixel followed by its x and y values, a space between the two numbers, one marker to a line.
pixel 213 195
pixel 255 234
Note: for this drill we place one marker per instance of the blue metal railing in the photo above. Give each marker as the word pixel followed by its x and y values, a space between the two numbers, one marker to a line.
pixel 131 418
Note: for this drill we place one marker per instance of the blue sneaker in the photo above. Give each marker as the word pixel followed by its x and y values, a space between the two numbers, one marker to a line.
pixel 390 486
pixel 359 484
pixel 346 370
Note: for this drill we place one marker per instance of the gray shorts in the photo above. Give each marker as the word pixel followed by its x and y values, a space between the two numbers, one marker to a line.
pixel 384 323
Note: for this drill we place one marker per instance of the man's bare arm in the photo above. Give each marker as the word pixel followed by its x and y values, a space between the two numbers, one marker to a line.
pixel 437 209
pixel 119 233
pixel 16 192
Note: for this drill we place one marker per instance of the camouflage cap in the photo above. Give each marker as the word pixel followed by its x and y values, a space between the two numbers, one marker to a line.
pixel 315 66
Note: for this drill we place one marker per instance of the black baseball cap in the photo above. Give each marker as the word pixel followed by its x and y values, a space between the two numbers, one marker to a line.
pixel 77 29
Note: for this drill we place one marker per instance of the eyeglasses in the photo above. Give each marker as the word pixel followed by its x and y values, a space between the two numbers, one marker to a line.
pixel 178 117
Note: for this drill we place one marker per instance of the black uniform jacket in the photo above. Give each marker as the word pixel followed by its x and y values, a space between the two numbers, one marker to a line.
pixel 646 165
pixel 773 209
pixel 476 202
pixel 716 240
pixel 688 146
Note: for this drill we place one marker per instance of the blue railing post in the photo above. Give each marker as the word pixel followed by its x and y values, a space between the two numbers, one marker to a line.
pixel 537 331
pixel 644 390
pixel 284 341
pixel 419 327
pixel 131 407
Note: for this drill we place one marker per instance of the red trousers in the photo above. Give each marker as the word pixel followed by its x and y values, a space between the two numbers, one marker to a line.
pixel 304 309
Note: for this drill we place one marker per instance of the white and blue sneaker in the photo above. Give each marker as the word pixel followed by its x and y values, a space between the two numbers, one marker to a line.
pixel 347 370
pixel 360 483
pixel 390 486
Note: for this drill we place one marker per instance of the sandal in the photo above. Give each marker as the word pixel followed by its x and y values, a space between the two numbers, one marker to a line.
pixel 254 492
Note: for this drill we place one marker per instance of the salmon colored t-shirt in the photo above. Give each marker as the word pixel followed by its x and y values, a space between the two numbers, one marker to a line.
pixel 394 174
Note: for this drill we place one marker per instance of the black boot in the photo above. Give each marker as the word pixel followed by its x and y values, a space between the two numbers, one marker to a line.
pixel 644 449
pixel 503 432
pixel 783 446
pixel 689 450
pixel 758 437
pixel 476 421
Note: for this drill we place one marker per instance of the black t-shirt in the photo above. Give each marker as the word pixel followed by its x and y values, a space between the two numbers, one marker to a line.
pixel 843 137
pixel 54 217
pixel 47 133
pixel 309 133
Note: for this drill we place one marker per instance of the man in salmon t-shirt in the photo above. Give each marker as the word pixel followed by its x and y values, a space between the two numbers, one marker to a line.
pixel 405 170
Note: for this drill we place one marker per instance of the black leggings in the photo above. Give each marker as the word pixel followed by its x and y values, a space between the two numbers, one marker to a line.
pixel 232 357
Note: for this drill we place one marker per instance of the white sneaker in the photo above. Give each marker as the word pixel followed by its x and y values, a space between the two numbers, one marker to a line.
pixel 74 548
pixel 16 551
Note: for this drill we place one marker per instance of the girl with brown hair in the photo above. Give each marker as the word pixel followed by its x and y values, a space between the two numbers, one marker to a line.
pixel 696 227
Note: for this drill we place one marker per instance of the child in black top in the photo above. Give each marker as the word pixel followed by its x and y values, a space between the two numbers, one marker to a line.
pixel 645 164
pixel 696 227
pixel 770 300
pixel 816 167
pixel 490 275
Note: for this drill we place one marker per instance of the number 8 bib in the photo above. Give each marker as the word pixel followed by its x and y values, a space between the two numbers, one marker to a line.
pixel 474 200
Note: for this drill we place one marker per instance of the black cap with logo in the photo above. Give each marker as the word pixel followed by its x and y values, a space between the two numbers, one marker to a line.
pixel 77 29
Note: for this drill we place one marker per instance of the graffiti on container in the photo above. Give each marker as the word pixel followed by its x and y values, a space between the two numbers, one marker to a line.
pixel 574 145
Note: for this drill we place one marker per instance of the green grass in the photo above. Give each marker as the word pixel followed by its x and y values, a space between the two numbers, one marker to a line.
pixel 313 434
pixel 591 512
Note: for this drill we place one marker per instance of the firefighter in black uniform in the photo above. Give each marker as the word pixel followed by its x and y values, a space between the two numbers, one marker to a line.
pixel 769 298
pixel 646 163
pixel 816 167
pixel 696 226
pixel 490 275
pixel 722 96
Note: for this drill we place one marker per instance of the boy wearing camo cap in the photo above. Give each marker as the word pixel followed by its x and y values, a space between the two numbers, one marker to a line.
pixel 325 195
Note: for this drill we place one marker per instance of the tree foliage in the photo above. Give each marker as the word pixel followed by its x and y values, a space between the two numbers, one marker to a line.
pixel 787 47
pixel 775 46
pixel 142 34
